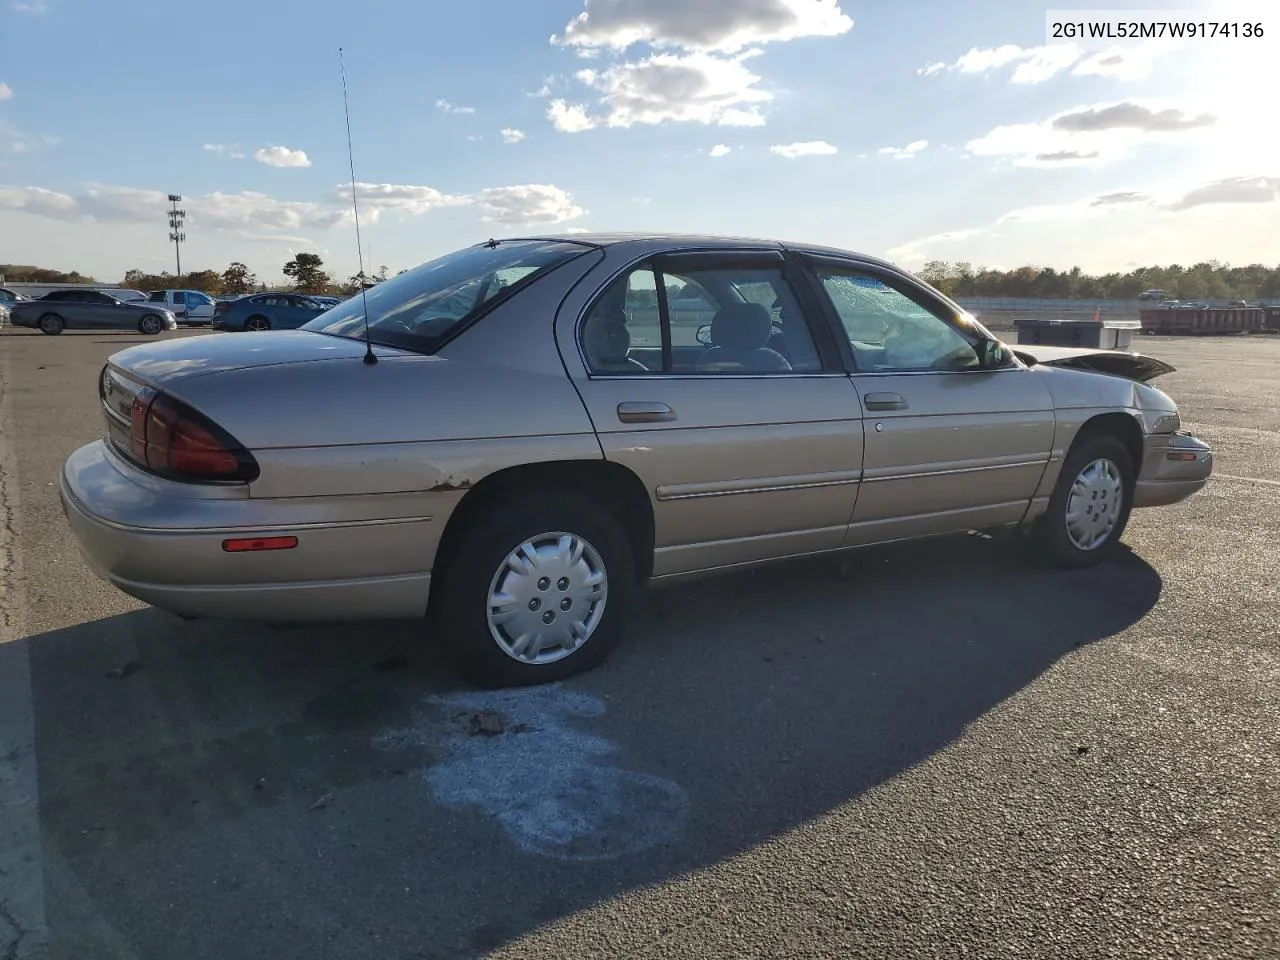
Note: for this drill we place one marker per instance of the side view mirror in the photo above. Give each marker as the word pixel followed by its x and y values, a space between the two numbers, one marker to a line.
pixel 704 334
pixel 993 354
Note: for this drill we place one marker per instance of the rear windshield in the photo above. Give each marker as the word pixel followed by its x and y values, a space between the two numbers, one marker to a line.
pixel 419 308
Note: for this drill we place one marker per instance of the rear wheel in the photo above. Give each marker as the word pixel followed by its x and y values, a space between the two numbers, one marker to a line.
pixel 537 591
pixel 1090 505
pixel 257 324
pixel 150 324
pixel 52 324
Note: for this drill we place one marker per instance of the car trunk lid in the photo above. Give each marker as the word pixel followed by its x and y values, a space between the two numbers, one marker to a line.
pixel 1120 363
pixel 172 361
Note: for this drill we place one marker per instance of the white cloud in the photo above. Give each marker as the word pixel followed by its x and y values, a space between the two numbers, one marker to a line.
pixel 448 107
pixel 1173 199
pixel 1090 135
pixel 32 6
pixel 807 148
pixel 727 26
pixel 721 150
pixel 917 251
pixel 569 117
pixel 1229 190
pixel 527 204
pixel 230 150
pixel 405 198
pixel 510 135
pixel 907 152
pixel 39 202
pixel 666 87
pixel 259 216
pixel 14 140
pixel 1037 64
pixel 6 92
pixel 474 138
pixel 281 157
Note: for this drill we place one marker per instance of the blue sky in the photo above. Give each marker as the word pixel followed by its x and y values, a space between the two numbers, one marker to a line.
pixel 914 130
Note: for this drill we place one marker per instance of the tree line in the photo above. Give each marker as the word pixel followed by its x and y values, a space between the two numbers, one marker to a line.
pixel 305 273
pixel 1210 280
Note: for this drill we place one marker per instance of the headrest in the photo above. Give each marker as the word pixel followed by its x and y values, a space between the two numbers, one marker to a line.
pixel 606 337
pixel 741 326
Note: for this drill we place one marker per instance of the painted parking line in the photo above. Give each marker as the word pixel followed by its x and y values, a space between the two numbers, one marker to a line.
pixel 22 918
pixel 1229 476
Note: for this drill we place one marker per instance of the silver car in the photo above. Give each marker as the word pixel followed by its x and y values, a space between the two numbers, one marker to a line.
pixel 90 310
pixel 512 439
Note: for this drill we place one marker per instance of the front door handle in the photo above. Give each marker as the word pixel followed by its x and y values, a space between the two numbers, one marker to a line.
pixel 639 411
pixel 885 401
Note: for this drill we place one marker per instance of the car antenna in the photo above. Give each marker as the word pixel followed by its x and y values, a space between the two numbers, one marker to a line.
pixel 369 356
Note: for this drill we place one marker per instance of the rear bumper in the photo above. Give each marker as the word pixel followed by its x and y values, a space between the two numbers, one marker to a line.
pixel 355 570
pixel 1174 467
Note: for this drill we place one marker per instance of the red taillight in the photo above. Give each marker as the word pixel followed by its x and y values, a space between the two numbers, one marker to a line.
pixel 250 544
pixel 172 439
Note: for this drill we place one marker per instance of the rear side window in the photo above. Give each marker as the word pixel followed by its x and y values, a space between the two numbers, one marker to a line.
pixel 700 315
pixel 157 297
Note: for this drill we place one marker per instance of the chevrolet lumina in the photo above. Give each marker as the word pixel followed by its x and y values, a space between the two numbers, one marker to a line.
pixel 510 441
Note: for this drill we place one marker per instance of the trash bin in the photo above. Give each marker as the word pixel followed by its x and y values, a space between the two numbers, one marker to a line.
pixel 1096 334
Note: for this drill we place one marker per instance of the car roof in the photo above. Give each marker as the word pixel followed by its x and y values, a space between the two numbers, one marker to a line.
pixel 667 241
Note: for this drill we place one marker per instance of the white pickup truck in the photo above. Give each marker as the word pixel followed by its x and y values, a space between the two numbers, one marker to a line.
pixel 188 306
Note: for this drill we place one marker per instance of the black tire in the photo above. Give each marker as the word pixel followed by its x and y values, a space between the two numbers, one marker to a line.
pixel 150 324
pixel 1052 539
pixel 257 324
pixel 52 324
pixel 460 591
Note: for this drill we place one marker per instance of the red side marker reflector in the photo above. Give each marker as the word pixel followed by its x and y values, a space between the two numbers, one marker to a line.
pixel 249 544
pixel 1182 456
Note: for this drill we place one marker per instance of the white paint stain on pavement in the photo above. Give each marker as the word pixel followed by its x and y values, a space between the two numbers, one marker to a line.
pixel 514 755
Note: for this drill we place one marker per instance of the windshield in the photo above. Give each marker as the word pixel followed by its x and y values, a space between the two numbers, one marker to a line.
pixel 420 307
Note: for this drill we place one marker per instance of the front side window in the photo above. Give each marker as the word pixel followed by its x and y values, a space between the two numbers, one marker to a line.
pixel 716 316
pixel 891 332
pixel 419 308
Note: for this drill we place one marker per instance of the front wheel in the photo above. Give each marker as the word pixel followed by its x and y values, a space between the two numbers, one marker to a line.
pixel 537 591
pixel 150 324
pixel 1090 505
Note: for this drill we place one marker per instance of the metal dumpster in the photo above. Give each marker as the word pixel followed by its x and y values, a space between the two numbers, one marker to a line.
pixel 1272 318
pixel 1098 334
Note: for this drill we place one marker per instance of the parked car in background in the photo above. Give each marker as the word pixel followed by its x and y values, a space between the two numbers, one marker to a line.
pixel 189 306
pixel 7 299
pixel 477 441
pixel 1152 295
pixel 90 310
pixel 266 311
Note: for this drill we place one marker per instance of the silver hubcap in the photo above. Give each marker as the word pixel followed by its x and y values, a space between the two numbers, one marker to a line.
pixel 547 598
pixel 1093 506
pixel 257 325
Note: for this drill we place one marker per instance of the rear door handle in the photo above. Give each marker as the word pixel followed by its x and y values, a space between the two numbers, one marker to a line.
pixel 885 401
pixel 641 411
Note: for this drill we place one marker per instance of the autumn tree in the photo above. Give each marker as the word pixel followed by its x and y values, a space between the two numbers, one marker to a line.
pixel 237 279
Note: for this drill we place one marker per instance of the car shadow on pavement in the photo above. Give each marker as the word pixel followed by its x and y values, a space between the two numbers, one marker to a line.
pixel 214 790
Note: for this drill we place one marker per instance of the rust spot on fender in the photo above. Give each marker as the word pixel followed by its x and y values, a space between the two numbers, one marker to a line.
pixel 450 485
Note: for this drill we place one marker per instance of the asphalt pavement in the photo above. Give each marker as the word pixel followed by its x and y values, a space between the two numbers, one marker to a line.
pixel 927 750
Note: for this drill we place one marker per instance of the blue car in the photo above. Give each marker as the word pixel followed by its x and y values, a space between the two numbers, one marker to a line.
pixel 266 311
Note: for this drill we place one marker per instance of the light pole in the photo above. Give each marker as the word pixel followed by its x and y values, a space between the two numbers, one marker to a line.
pixel 175 230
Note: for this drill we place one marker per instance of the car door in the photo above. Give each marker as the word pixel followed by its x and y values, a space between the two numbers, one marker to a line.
pixel 199 307
pixel 750 445
pixel 955 438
